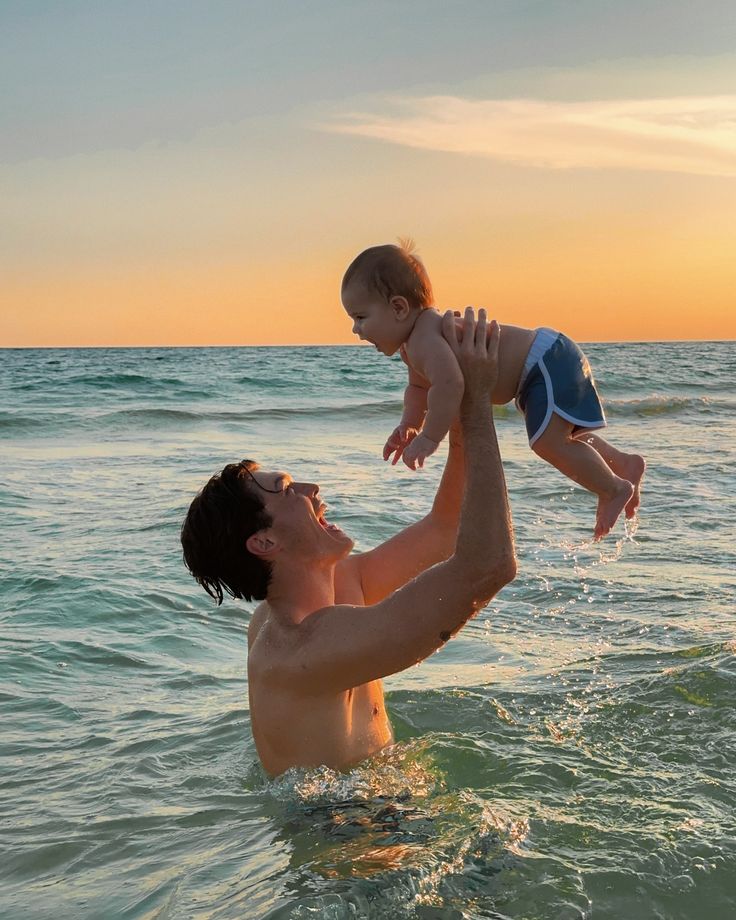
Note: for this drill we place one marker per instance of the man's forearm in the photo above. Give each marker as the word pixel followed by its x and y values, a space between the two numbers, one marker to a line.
pixel 449 497
pixel 485 536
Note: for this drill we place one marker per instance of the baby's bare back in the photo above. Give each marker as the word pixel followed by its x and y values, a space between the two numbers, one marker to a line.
pixel 513 348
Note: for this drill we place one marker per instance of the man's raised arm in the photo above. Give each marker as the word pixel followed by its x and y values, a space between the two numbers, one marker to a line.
pixel 344 646
pixel 420 545
pixel 430 540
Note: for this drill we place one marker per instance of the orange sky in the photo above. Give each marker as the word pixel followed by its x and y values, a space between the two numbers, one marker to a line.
pixel 611 272
pixel 581 183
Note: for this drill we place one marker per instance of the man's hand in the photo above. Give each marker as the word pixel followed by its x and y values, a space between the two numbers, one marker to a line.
pixel 477 353
pixel 417 452
pixel 398 441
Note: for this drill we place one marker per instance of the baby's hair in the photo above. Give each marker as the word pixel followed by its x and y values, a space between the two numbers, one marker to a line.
pixel 389 270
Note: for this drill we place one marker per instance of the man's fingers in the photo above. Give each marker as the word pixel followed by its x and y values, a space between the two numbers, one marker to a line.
pixel 480 331
pixel 449 330
pixel 468 329
pixel 494 339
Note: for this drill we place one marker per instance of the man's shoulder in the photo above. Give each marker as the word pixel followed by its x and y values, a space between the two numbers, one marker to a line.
pixel 268 646
pixel 257 620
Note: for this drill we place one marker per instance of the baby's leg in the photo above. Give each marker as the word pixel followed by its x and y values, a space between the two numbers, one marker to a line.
pixel 627 466
pixel 583 464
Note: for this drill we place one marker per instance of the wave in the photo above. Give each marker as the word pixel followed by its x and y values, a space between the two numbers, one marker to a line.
pixel 124 379
pixel 112 381
pixel 10 422
pixel 162 415
pixel 274 383
pixel 236 415
pixel 98 389
pixel 666 405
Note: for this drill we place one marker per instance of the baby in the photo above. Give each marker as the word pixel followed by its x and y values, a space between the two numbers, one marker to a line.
pixel 387 294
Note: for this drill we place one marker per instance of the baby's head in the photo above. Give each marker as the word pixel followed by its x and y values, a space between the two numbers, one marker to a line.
pixel 383 290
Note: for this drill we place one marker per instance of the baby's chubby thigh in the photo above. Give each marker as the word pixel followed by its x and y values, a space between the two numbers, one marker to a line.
pixel 554 440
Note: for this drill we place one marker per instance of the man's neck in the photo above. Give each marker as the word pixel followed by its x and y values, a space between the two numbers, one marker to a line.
pixel 295 594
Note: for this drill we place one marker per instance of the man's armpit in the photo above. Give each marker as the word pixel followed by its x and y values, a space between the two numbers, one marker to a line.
pixel 349 581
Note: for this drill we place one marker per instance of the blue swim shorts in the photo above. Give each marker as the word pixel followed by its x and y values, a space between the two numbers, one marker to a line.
pixel 557 378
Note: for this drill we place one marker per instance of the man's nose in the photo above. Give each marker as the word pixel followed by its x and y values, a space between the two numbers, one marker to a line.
pixel 310 489
pixel 356 328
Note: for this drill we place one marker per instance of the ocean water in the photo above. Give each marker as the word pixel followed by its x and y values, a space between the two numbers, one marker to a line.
pixel 570 754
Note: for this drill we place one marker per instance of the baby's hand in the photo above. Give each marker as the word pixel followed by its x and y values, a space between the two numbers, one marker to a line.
pixel 399 438
pixel 418 451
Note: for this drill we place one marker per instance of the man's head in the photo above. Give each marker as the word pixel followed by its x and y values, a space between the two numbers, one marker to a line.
pixel 382 290
pixel 246 520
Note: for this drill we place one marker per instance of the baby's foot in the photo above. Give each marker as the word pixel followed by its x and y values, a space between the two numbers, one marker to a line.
pixel 633 470
pixel 610 506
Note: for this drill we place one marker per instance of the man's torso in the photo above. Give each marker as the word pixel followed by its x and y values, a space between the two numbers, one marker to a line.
pixel 292 728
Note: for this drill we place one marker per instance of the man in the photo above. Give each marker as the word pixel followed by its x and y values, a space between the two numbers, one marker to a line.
pixel 332 625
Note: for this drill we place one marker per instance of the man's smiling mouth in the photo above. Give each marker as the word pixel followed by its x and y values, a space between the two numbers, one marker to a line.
pixel 325 524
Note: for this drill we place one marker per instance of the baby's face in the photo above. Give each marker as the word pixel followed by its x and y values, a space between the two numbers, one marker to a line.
pixel 374 320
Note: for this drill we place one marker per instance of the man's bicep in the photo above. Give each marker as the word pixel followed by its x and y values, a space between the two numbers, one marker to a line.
pixel 404 556
pixel 349 646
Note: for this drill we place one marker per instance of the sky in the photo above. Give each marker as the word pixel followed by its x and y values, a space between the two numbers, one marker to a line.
pixel 190 173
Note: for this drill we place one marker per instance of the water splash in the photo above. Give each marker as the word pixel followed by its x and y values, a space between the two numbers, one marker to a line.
pixel 390 827
pixel 398 772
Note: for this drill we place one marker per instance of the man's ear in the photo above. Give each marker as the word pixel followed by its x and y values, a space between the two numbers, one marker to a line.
pixel 262 544
pixel 400 306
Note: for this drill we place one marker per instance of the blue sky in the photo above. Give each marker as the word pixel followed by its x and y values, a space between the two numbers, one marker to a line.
pixel 81 75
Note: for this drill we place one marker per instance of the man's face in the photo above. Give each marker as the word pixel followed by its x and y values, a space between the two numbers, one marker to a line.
pixel 374 320
pixel 298 515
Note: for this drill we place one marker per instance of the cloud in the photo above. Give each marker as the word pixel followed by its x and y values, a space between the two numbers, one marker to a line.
pixel 682 134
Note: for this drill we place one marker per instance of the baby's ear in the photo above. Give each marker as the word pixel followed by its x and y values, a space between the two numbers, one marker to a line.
pixel 400 306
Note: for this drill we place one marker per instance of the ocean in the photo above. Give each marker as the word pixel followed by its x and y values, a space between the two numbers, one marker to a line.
pixel 570 754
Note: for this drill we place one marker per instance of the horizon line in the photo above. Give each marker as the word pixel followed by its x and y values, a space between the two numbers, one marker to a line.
pixel 325 344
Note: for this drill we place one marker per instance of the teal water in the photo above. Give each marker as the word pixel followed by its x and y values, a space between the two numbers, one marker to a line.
pixel 571 754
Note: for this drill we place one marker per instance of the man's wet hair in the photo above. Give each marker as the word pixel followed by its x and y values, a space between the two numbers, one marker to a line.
pixel 390 270
pixel 220 519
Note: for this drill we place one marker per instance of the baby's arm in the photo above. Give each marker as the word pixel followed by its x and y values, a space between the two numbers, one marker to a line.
pixel 415 401
pixel 438 364
pixel 415 408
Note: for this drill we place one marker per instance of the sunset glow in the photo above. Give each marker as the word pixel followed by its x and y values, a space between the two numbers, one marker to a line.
pixel 218 201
